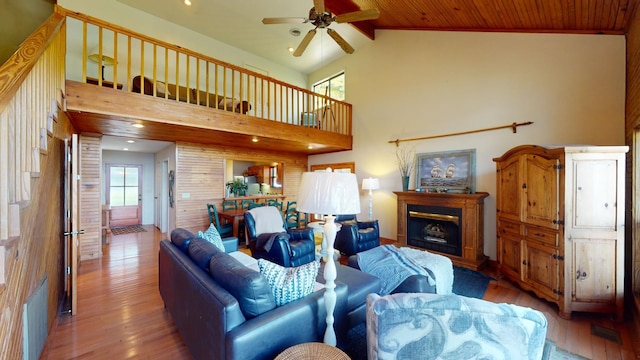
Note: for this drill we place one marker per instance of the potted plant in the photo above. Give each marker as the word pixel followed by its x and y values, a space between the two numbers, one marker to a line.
pixel 405 159
pixel 237 187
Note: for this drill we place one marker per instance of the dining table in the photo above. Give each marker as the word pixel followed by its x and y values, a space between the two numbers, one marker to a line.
pixel 234 216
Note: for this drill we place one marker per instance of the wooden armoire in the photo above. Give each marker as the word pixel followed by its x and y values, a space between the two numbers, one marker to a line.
pixel 560 224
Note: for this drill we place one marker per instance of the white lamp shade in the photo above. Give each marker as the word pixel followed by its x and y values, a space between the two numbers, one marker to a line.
pixel 370 184
pixel 328 193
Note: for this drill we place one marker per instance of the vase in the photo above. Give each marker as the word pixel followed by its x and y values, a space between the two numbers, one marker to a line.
pixel 405 183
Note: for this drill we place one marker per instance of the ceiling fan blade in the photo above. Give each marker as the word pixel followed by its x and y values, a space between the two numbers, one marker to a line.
pixel 369 14
pixel 319 5
pixel 304 43
pixel 284 20
pixel 342 42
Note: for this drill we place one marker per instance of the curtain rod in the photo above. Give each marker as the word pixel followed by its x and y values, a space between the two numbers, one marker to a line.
pixel 513 127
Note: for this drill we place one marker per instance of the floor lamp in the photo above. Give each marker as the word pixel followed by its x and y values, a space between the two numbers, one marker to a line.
pixel 103 58
pixel 370 184
pixel 329 193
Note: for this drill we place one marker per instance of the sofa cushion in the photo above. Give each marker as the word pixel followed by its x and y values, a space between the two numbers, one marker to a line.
pixel 289 283
pixel 248 286
pixel 213 236
pixel 181 238
pixel 201 251
pixel 435 326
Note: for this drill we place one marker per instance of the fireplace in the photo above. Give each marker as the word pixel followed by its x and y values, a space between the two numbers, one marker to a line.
pixel 448 224
pixel 434 228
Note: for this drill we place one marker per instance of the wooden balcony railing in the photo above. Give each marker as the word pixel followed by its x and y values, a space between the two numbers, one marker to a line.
pixel 182 75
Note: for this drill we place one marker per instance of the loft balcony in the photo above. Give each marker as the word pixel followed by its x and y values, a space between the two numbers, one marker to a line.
pixel 117 78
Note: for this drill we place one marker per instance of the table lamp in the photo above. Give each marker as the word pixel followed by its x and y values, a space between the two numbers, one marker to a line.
pixel 370 184
pixel 329 193
pixel 106 57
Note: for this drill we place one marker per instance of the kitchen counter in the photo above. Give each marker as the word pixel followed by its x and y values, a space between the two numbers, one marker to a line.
pixel 255 197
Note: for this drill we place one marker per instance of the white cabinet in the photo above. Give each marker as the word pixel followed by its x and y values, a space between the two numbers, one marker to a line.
pixel 560 224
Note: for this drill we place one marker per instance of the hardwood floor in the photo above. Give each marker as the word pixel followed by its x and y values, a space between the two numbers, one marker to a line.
pixel 121 314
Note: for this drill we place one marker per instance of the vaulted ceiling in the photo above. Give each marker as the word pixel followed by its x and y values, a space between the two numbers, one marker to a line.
pixel 239 23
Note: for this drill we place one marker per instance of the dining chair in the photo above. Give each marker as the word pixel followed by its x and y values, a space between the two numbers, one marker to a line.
pixel 225 230
pixel 255 205
pixel 291 215
pixel 229 205
pixel 245 204
pixel 275 202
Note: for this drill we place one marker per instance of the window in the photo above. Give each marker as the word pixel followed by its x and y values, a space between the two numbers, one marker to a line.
pixel 332 87
pixel 123 186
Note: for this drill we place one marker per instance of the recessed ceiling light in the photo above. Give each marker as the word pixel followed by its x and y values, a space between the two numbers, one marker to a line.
pixel 294 32
pixel 255 139
pixel 187 2
pixel 125 149
pixel 310 147
pixel 138 125
pixel 130 141
pixel 290 48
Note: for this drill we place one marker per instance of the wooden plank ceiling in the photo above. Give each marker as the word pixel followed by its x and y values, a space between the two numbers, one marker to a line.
pixel 559 16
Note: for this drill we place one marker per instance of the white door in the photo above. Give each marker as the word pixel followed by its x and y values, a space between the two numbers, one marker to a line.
pixel 161 197
pixel 124 193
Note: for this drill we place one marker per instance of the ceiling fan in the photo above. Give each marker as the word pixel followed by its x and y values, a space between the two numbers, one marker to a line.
pixel 320 18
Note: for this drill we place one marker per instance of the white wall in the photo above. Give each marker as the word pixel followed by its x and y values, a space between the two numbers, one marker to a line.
pixel 409 84
pixel 148 177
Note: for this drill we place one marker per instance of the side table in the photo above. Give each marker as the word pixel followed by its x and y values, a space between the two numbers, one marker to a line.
pixel 312 350
pixel 318 227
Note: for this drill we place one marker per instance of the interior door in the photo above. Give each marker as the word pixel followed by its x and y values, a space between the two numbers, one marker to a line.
pixel 124 193
pixel 157 197
pixel 71 230
pixel 161 197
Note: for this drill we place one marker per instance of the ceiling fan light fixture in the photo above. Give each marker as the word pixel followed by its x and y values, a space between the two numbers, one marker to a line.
pixel 321 18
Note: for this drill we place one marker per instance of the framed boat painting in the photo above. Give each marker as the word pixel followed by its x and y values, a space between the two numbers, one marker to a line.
pixel 447 171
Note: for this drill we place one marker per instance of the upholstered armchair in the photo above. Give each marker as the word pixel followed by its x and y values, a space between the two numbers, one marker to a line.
pixel 355 235
pixel 269 239
pixel 432 326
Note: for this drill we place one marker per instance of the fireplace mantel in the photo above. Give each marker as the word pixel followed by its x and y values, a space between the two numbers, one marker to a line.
pixel 472 222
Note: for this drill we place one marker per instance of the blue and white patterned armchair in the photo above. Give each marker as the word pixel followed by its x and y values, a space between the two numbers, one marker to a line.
pixel 433 326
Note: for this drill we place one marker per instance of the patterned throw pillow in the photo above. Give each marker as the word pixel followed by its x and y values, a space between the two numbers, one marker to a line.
pixel 289 284
pixel 212 236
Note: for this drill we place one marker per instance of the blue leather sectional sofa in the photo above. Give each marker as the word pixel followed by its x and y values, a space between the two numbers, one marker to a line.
pixel 219 308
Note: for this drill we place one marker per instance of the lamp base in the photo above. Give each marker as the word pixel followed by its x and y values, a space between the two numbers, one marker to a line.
pixel 330 274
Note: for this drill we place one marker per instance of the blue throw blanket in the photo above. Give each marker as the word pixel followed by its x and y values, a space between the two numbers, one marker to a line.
pixel 391 266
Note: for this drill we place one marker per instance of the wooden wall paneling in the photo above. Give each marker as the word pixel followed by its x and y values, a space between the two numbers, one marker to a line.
pixel 632 123
pixel 90 246
pixel 200 178
pixel 30 231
